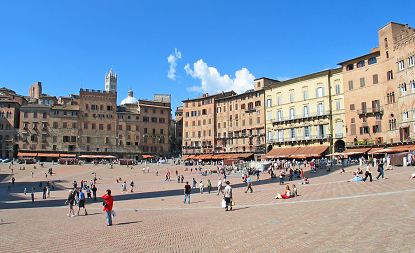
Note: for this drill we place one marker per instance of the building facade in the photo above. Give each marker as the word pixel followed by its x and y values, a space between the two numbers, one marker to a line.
pixel 10 104
pixel 378 92
pixel 199 124
pixel 240 120
pixel 306 111
pixel 91 123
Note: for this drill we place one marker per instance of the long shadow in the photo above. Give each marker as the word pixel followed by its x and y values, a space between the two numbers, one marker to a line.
pixel 130 196
pixel 157 194
pixel 127 223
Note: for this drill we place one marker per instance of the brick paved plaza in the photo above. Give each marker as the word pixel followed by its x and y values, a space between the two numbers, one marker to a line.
pixel 331 215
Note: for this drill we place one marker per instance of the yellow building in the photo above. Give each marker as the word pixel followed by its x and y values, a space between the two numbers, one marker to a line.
pixel 306 111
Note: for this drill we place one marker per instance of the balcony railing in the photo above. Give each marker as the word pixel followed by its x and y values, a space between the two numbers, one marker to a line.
pixel 370 111
pixel 300 117
pixel 300 138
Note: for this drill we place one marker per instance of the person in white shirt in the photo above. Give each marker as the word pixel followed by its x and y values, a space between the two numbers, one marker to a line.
pixel 228 196
pixel 201 186
pixel 220 186
pixel 368 173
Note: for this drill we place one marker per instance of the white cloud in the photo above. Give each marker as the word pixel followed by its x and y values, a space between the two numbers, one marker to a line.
pixel 211 81
pixel 172 60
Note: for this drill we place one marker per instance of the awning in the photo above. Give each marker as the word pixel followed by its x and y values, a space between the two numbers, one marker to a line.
pixel 375 151
pixel 22 154
pixel 281 152
pixel 309 152
pixel 399 149
pixel 335 154
pixel 55 155
pixel 147 156
pixel 67 155
pixel 97 156
pixel 356 151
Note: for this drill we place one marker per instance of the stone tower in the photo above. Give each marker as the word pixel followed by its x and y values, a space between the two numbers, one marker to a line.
pixel 111 81
pixel 35 91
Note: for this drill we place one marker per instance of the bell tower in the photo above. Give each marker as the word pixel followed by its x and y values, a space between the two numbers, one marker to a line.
pixel 111 81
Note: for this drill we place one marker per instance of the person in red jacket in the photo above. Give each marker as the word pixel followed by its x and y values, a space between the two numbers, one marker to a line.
pixel 108 203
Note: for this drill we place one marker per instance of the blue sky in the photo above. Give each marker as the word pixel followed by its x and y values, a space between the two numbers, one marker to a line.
pixel 72 44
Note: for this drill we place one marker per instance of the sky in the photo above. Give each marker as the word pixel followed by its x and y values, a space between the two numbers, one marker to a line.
pixel 183 48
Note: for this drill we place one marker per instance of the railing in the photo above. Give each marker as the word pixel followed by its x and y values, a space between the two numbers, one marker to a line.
pixel 339 135
pixel 374 110
pixel 300 117
pixel 300 138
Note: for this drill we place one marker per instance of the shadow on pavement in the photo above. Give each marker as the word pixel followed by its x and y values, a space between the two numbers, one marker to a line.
pixel 150 195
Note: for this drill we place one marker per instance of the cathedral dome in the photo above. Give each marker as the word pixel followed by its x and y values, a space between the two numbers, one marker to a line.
pixel 130 99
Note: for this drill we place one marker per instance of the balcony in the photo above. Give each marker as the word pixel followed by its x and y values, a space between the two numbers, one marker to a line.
pixel 299 118
pixel 370 111
pixel 250 110
pixel 339 135
pixel 311 138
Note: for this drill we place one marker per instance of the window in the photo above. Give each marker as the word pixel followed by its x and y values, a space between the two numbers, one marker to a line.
pixel 85 125
pixel 349 67
pixel 320 109
pixel 35 115
pixel 361 64
pixel 372 60
pixel 292 133
pixel 403 89
pixel 338 89
pixel 387 54
pixel 405 115
pixel 376 129
pixel 320 92
pixel 269 102
pixel 401 65
pixel 101 127
pixel 146 119
pixel 257 103
pixel 362 82
pixel 364 130
pixel 279 100
pixel 305 111
pixel 279 115
pixel 269 116
pixel 338 105
pixel 291 96
pixel 389 75
pixel 64 125
pixel 375 79
pixel 392 124
pixel 351 85
pixel 292 113
pixel 305 93
pixel 55 125
pixel 411 61
pixel 307 131
pixel 364 108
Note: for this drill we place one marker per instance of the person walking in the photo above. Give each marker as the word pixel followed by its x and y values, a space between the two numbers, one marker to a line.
pixel 201 186
pixel 187 191
pixel 124 187
pixel 81 202
pixel 220 186
pixel 48 191
pixel 209 185
pixel 94 192
pixel 368 173
pixel 88 192
pixel 13 180
pixel 108 204
pixel 228 196
pixel 249 184
pixel 70 202
pixel 381 171
pixel 25 191
pixel 44 192
pixel 33 195
pixel 194 183
pixel 32 173
pixel 132 186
